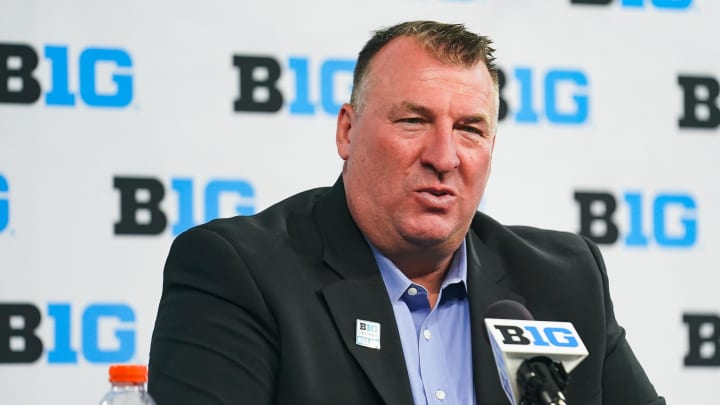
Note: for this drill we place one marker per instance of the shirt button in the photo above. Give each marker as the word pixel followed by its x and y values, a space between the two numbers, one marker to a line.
pixel 428 335
pixel 412 291
pixel 440 394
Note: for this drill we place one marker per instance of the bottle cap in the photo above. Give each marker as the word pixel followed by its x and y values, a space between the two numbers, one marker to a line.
pixel 128 373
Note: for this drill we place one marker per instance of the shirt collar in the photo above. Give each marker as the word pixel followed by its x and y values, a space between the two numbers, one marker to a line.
pixel 397 283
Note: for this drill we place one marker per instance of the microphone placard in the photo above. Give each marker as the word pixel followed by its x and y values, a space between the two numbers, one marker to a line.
pixel 514 341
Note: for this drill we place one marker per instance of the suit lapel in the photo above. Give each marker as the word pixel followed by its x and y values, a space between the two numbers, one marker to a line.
pixel 366 299
pixel 360 294
pixel 487 284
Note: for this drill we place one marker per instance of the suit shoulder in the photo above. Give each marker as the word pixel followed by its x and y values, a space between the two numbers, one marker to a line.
pixel 528 241
pixel 544 266
pixel 266 225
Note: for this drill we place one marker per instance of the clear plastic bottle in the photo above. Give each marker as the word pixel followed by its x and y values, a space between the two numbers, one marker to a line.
pixel 128 386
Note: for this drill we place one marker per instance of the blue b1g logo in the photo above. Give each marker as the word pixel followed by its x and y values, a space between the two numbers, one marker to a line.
pixel 18 85
pixel 556 106
pixel 141 197
pixel 673 217
pixel 4 203
pixel 659 4
pixel 258 78
pixel 535 336
pixel 19 342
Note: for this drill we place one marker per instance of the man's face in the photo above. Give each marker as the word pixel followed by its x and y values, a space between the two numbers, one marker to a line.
pixel 417 158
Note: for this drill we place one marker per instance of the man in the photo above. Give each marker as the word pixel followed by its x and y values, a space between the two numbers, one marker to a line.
pixel 374 290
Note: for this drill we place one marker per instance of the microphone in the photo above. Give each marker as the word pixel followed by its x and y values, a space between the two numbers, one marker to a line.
pixel 533 358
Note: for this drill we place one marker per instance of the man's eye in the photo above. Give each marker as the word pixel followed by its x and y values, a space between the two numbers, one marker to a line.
pixel 412 120
pixel 472 130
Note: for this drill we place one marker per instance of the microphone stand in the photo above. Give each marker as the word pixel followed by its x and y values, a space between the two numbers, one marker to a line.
pixel 542 382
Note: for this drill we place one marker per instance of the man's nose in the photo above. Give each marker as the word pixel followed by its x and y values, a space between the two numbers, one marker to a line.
pixel 440 150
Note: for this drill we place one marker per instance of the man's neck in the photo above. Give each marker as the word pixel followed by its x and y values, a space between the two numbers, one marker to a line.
pixel 430 275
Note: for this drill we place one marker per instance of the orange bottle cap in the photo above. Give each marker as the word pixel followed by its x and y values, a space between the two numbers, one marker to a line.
pixel 128 373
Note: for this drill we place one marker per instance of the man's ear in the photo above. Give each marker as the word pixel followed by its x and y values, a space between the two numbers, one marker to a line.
pixel 342 132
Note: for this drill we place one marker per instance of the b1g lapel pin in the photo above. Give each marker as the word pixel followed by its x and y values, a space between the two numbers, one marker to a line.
pixel 367 334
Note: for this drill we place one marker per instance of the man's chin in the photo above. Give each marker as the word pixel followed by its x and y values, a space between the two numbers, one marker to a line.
pixel 429 238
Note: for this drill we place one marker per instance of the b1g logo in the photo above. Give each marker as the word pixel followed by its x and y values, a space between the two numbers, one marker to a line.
pixel 703 339
pixel 18 85
pixel 19 342
pixel 700 102
pixel 565 96
pixel 140 198
pixel 597 222
pixel 660 4
pixel 4 204
pixel 258 85
pixel 547 336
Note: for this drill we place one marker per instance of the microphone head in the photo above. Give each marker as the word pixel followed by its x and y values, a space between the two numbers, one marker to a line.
pixel 508 309
pixel 515 338
pixel 505 309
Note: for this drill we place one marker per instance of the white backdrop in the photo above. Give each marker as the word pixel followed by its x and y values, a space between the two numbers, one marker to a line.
pixel 612 70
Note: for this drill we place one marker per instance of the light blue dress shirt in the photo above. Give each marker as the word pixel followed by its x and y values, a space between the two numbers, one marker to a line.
pixel 437 343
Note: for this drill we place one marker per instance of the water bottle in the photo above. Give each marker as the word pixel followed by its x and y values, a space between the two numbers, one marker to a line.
pixel 128 386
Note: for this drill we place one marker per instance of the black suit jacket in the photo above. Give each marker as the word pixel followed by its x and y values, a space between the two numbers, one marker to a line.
pixel 262 309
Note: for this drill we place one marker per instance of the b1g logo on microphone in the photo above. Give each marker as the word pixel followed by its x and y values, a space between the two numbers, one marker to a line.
pixel 673 218
pixel 535 336
pixel 659 4
pixel 103 76
pixel 517 339
pixel 313 85
pixel 703 339
pixel 107 332
pixel 4 204
pixel 564 100
pixel 142 214
pixel 700 102
pixel 514 340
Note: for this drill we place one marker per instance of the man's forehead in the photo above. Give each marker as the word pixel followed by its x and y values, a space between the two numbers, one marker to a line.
pixel 398 47
pixel 404 53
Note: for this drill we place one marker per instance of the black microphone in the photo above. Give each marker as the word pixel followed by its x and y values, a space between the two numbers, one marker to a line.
pixel 531 356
